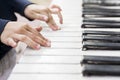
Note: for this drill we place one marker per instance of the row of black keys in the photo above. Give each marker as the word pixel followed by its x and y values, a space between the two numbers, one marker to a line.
pixel 102 2
pixel 100 23
pixel 101 8
pixel 100 40
pixel 101 66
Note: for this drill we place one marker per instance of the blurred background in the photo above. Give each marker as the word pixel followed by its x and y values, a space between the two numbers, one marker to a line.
pixel 43 2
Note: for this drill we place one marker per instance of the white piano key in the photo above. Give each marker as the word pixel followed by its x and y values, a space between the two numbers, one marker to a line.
pixel 61 25
pixel 62 34
pixel 44 77
pixel 70 18
pixel 71 22
pixel 47 69
pixel 68 4
pixel 76 21
pixel 51 59
pixel 66 45
pixel 39 23
pixel 58 77
pixel 73 13
pixel 64 28
pixel 52 52
pixel 65 39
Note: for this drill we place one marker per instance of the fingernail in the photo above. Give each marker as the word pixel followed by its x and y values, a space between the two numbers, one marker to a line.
pixel 14 45
pixel 45 18
pixel 38 47
pixel 48 40
pixel 61 22
pixel 57 28
pixel 54 29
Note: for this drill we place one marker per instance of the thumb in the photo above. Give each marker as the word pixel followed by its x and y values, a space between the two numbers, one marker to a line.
pixel 11 42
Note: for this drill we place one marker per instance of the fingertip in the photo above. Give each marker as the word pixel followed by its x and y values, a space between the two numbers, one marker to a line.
pixel 60 9
pixel 61 22
pixel 37 47
pixel 13 45
pixel 11 42
pixel 53 28
pixel 45 18
pixel 48 40
pixel 48 44
pixel 39 28
pixel 57 27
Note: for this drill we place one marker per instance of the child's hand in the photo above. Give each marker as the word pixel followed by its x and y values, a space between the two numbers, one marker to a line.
pixel 35 11
pixel 17 31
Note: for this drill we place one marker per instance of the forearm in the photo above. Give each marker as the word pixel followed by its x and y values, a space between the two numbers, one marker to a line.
pixel 3 24
pixel 3 48
pixel 19 5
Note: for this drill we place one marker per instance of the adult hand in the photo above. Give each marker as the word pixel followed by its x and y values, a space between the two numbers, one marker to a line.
pixel 35 11
pixel 18 31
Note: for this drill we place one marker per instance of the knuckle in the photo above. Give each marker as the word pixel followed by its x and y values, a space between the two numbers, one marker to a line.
pixel 24 38
pixel 34 38
pixel 25 25
pixel 43 42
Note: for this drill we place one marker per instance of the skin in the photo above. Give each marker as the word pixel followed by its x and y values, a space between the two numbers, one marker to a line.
pixel 19 31
pixel 45 14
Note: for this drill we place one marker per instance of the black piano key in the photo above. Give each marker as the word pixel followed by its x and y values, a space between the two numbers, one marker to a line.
pixel 104 60
pixel 100 20
pixel 101 70
pixel 92 32
pixel 100 14
pixel 99 26
pixel 102 2
pixel 101 9
pixel 100 46
pixel 101 38
pixel 89 23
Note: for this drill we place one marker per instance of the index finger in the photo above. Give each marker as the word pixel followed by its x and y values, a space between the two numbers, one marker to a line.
pixel 60 17
pixel 59 14
pixel 56 6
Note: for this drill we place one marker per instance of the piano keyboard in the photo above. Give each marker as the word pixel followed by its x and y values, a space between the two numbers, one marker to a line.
pixel 100 16
pixel 62 60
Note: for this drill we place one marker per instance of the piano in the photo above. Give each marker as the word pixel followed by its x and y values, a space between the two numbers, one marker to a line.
pixel 62 60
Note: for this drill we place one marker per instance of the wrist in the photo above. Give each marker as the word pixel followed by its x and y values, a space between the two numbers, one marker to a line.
pixel 28 10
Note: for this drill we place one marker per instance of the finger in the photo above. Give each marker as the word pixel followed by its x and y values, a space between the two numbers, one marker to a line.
pixel 60 18
pixel 11 42
pixel 38 29
pixel 55 11
pixel 40 16
pixel 56 6
pixel 27 40
pixel 42 41
pixel 33 31
pixel 38 39
pixel 40 35
pixel 52 23
pixel 30 29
